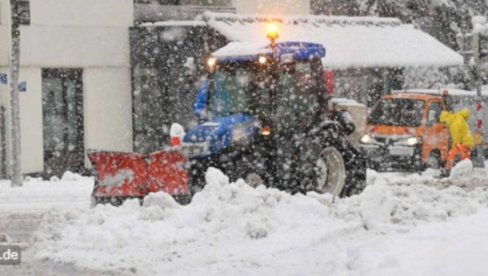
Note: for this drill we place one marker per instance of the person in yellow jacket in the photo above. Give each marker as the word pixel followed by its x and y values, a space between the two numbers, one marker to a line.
pixel 462 139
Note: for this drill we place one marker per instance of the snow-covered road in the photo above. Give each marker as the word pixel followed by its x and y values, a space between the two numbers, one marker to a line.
pixel 402 224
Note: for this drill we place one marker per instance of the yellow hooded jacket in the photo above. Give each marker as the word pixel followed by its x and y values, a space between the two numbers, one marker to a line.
pixel 458 127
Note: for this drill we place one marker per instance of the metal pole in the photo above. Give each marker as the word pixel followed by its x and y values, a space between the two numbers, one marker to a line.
pixel 479 161
pixel 14 95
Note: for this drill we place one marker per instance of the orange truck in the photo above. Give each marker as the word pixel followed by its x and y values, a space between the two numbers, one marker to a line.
pixel 403 132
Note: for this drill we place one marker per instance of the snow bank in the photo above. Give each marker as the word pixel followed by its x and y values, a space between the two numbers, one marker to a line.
pixel 463 169
pixel 231 228
pixel 71 191
pixel 456 247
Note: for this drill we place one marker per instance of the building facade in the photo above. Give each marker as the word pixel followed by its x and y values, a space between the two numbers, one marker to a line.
pixel 80 79
pixel 75 65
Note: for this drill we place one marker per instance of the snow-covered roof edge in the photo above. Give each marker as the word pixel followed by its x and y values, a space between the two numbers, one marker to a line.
pixel 174 23
pixel 359 42
pixel 343 20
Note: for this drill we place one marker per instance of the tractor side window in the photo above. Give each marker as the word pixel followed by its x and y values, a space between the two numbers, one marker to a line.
pixel 434 113
pixel 297 101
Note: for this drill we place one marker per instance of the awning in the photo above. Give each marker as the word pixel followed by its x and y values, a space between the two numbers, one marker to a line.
pixel 350 41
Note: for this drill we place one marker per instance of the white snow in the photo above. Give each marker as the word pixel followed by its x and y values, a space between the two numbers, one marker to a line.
pixel 450 91
pixel 350 41
pixel 174 23
pixel 463 170
pixel 402 224
pixel 71 191
pixel 242 49
pixel 344 101
pixel 479 24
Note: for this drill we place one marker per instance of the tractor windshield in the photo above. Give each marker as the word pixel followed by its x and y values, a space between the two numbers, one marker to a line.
pixel 397 112
pixel 238 88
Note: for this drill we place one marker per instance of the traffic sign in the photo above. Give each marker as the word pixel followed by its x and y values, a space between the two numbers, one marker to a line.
pixel 3 78
pixel 22 86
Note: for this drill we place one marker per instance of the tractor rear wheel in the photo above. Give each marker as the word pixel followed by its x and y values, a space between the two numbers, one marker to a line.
pixel 330 170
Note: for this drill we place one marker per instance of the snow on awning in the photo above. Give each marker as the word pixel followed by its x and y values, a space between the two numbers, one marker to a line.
pixel 173 23
pixel 241 49
pixel 350 41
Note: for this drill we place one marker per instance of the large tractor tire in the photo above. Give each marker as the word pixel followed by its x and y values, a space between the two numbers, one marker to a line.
pixel 340 171
pixel 330 170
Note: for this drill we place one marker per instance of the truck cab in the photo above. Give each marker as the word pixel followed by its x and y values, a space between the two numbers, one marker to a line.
pixel 404 133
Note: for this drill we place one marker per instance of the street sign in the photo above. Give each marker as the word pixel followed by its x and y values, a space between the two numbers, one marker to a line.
pixel 4 80
pixel 22 86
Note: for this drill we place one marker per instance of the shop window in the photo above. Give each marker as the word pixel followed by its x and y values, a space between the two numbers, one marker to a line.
pixel 63 130
pixel 22 12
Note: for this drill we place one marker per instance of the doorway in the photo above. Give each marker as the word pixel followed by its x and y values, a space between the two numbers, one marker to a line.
pixel 63 130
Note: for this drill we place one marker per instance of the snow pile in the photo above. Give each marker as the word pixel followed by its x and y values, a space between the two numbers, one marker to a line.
pixel 463 169
pixel 71 191
pixel 225 218
pixel 455 247
pixel 233 228
pixel 69 176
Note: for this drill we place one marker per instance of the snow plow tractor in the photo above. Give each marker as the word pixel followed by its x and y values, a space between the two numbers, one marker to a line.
pixel 262 117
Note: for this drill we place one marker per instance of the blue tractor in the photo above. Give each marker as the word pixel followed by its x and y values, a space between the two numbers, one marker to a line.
pixel 263 117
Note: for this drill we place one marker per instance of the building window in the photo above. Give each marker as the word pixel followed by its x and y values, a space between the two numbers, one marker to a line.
pixel 62 110
pixel 22 12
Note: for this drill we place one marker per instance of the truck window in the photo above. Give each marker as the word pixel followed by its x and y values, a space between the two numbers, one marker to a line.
pixel 398 112
pixel 434 113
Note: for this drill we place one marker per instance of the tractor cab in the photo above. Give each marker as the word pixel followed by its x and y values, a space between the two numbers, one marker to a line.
pixel 276 90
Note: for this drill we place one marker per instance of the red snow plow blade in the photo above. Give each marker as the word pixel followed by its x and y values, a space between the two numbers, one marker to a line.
pixel 132 175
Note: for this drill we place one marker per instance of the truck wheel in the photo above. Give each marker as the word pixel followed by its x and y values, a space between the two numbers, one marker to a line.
pixel 330 170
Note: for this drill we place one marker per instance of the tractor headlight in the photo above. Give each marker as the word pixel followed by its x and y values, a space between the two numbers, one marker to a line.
pixel 409 141
pixel 366 139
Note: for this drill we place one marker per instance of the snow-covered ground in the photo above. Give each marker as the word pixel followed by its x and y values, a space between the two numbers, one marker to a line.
pixel 402 224
pixel 71 191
